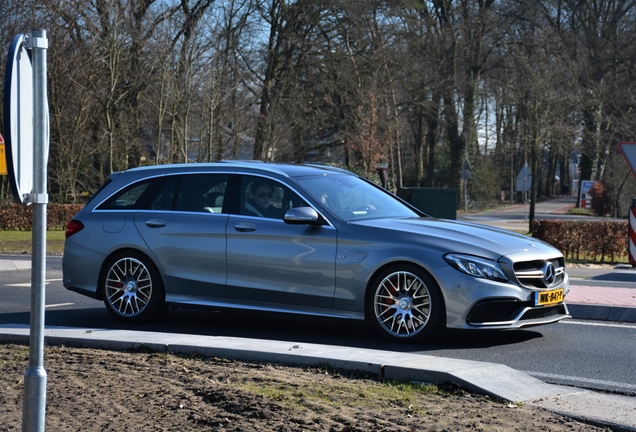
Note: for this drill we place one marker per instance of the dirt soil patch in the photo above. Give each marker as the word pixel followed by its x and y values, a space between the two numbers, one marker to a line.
pixel 100 390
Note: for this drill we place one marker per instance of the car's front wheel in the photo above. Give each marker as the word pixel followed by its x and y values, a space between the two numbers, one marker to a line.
pixel 406 304
pixel 132 287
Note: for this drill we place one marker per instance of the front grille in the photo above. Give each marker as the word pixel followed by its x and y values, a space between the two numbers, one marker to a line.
pixel 495 311
pixel 531 274
pixel 543 312
pixel 502 311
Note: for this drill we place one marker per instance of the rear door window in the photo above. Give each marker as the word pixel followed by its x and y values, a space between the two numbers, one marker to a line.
pixel 164 198
pixel 202 193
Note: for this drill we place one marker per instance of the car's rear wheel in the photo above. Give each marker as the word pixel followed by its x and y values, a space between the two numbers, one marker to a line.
pixel 132 287
pixel 406 304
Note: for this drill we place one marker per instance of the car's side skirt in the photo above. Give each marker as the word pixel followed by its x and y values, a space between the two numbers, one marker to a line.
pixel 185 301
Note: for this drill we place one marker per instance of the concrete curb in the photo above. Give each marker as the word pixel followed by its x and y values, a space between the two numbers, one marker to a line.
pixel 602 312
pixel 499 381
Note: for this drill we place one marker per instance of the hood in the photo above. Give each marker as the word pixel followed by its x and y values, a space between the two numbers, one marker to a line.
pixel 451 236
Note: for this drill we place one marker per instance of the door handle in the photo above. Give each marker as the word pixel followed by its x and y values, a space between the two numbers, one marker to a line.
pixel 245 227
pixel 155 223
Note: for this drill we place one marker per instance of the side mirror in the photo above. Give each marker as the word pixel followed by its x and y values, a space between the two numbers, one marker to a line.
pixel 302 216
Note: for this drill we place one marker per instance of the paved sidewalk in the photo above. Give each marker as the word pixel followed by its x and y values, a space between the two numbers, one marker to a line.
pixel 602 293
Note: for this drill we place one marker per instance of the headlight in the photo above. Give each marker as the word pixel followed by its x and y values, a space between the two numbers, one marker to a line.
pixel 475 266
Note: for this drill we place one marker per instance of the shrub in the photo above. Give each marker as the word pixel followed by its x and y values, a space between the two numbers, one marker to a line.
pixel 18 217
pixel 579 240
pixel 602 199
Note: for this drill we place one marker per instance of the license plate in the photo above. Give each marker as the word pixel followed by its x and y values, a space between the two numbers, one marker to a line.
pixel 544 298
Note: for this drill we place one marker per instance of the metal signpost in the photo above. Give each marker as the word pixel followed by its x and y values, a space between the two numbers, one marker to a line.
pixel 465 176
pixel 27 136
pixel 524 183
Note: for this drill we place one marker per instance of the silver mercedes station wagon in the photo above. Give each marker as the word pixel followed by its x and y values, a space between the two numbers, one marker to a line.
pixel 302 239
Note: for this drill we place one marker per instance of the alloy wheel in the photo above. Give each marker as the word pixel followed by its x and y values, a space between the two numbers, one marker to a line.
pixel 402 304
pixel 128 287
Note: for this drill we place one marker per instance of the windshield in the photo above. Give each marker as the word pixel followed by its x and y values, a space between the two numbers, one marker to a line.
pixel 352 198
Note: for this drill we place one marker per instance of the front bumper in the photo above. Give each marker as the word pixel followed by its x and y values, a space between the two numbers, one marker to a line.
pixel 514 314
pixel 480 303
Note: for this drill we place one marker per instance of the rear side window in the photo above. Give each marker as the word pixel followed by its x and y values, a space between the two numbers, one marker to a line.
pixel 137 196
pixel 189 193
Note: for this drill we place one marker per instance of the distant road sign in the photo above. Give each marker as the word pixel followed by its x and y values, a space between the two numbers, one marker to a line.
pixel 585 198
pixel 18 118
pixel 524 179
pixel 629 152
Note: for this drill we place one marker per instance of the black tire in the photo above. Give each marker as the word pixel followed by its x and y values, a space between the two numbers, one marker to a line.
pixel 132 288
pixel 405 304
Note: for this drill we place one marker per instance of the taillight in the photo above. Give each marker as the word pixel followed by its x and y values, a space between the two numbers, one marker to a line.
pixel 73 227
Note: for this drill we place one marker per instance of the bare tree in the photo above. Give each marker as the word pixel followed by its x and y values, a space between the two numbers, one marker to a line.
pixel 290 28
pixel 186 43
pixel 600 37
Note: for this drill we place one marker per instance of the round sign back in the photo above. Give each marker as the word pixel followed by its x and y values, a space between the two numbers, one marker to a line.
pixel 18 118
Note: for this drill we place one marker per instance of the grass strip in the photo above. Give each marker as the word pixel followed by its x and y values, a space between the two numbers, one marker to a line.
pixel 20 242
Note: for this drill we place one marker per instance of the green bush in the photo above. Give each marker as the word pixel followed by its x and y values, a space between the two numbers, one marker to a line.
pixel 18 217
pixel 597 241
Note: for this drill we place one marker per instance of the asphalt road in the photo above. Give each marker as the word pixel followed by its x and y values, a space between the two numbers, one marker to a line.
pixel 515 217
pixel 579 353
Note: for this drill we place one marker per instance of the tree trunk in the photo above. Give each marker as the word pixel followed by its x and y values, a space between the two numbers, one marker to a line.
pixel 431 138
